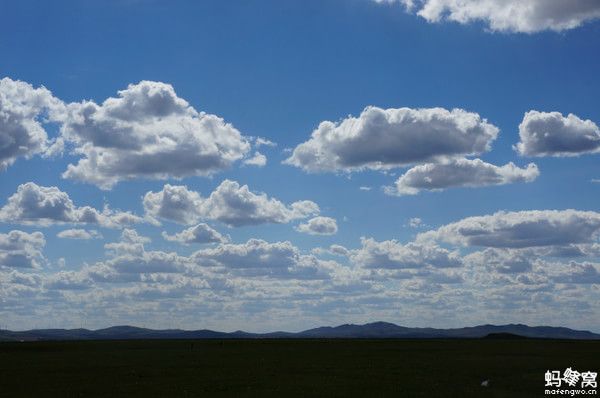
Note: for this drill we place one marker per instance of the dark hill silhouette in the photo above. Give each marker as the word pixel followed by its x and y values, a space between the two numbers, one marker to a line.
pixel 375 330
pixel 504 336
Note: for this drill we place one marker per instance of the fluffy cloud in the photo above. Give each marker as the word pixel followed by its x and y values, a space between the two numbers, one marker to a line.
pixel 319 226
pixel 21 250
pixel 334 250
pixel 552 134
pixel 520 229
pixel 131 262
pixel 460 173
pixel 580 273
pixel 76 233
pixel 175 203
pixel 130 259
pixel 236 205
pixel 230 203
pixel 391 254
pixel 415 222
pixel 260 141
pixel 131 243
pixel 38 205
pixel 507 15
pixel 505 261
pixel 260 258
pixel 147 132
pixel 255 253
pixel 386 138
pixel 149 262
pixel 201 233
pixel 23 112
pixel 258 160
pixel 339 250
pixel 19 278
pixel 68 280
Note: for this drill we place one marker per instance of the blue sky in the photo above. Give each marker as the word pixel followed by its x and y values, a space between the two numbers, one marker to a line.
pixel 276 70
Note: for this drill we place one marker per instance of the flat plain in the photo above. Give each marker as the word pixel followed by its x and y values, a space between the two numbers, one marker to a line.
pixel 288 367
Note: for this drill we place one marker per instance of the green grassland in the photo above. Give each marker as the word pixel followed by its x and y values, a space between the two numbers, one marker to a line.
pixel 288 368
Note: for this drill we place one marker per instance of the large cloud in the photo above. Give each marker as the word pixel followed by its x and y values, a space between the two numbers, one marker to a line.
pixel 147 132
pixel 23 111
pixel 230 203
pixel 131 262
pixel 386 138
pixel 508 15
pixel 21 250
pixel 520 229
pixel 391 254
pixel 37 205
pixel 552 134
pixel 201 233
pixel 460 173
pixel 319 226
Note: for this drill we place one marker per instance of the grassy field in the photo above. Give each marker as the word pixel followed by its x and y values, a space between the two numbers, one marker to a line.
pixel 284 368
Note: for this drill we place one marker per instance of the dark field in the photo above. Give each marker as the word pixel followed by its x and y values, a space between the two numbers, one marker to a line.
pixel 283 368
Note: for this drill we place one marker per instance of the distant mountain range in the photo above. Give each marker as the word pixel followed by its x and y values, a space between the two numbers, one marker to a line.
pixel 375 330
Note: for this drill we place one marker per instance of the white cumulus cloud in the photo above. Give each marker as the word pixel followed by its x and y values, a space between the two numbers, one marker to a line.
pixel 387 138
pixel 201 233
pixel 520 229
pixel 257 257
pixel 38 205
pixel 505 261
pixel 391 254
pixel 524 16
pixel 580 273
pixel 319 226
pixel 460 173
pixel 23 112
pixel 19 249
pixel 147 132
pixel 77 233
pixel 258 160
pixel 415 222
pixel 230 203
pixel 552 134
